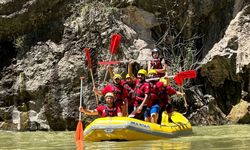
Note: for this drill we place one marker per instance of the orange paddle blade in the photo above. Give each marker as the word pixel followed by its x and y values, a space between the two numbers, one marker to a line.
pixel 79 145
pixel 79 131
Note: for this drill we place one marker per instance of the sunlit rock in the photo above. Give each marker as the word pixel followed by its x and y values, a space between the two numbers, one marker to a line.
pixel 240 113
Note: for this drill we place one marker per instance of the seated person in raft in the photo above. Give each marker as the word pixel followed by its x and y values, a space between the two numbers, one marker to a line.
pixel 106 110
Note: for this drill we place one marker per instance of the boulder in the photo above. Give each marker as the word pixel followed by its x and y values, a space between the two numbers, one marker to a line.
pixel 240 113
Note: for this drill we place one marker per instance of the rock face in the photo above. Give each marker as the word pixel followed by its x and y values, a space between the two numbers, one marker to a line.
pixel 42 58
pixel 227 64
pixel 19 17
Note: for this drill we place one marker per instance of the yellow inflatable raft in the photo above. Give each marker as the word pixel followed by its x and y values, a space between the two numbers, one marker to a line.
pixel 129 129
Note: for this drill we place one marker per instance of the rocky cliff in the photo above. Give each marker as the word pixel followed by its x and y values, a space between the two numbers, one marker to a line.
pixel 41 51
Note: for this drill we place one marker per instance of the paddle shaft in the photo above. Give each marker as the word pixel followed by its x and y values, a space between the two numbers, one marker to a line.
pixel 106 73
pixel 90 69
pixel 184 96
pixel 80 114
pixel 123 61
pixel 93 82
pixel 132 114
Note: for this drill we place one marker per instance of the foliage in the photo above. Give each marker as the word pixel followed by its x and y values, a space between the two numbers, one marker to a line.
pixel 19 42
pixel 179 52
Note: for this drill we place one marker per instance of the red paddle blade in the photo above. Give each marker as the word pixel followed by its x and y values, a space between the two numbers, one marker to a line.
pixel 88 57
pixel 79 131
pixel 178 80
pixel 187 74
pixel 179 77
pixel 108 62
pixel 115 41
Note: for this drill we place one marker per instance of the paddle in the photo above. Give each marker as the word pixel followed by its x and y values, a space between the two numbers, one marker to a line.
pixel 118 62
pixel 178 78
pixel 179 81
pixel 132 114
pixel 79 128
pixel 115 41
pixel 90 69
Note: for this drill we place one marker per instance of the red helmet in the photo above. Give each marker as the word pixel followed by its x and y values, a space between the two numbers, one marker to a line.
pixel 159 85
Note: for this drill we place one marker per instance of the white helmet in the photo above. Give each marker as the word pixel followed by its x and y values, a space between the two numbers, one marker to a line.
pixel 155 50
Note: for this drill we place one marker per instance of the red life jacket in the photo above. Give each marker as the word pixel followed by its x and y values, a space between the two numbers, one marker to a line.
pixel 130 90
pixel 154 98
pixel 163 98
pixel 156 64
pixel 153 88
pixel 117 90
pixel 109 112
pixel 139 92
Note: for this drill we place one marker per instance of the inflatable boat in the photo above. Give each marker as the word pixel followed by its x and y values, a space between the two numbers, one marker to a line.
pixel 130 129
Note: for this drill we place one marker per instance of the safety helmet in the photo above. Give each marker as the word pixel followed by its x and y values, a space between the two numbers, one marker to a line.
pixel 117 76
pixel 128 76
pixel 142 71
pixel 159 85
pixel 109 94
pixel 155 50
pixel 165 81
pixel 152 71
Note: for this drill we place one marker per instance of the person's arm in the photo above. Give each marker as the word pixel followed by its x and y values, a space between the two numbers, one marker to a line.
pixel 147 90
pixel 164 67
pixel 111 73
pixel 119 112
pixel 172 91
pixel 130 70
pixel 139 109
pixel 98 92
pixel 180 93
pixel 88 112
pixel 149 65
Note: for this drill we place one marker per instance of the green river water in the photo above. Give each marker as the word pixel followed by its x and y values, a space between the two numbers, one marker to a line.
pixel 227 137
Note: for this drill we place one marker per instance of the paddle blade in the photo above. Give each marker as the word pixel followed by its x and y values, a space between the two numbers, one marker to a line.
pixel 115 41
pixel 79 131
pixel 108 62
pixel 88 57
pixel 178 80
pixel 79 145
pixel 179 77
pixel 187 74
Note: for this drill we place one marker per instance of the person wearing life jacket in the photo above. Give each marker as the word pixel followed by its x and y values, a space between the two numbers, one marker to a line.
pixel 116 87
pixel 158 63
pixel 129 85
pixel 141 94
pixel 165 91
pixel 153 108
pixel 106 110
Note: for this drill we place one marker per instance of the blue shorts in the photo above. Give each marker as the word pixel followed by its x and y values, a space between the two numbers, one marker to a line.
pixel 152 110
